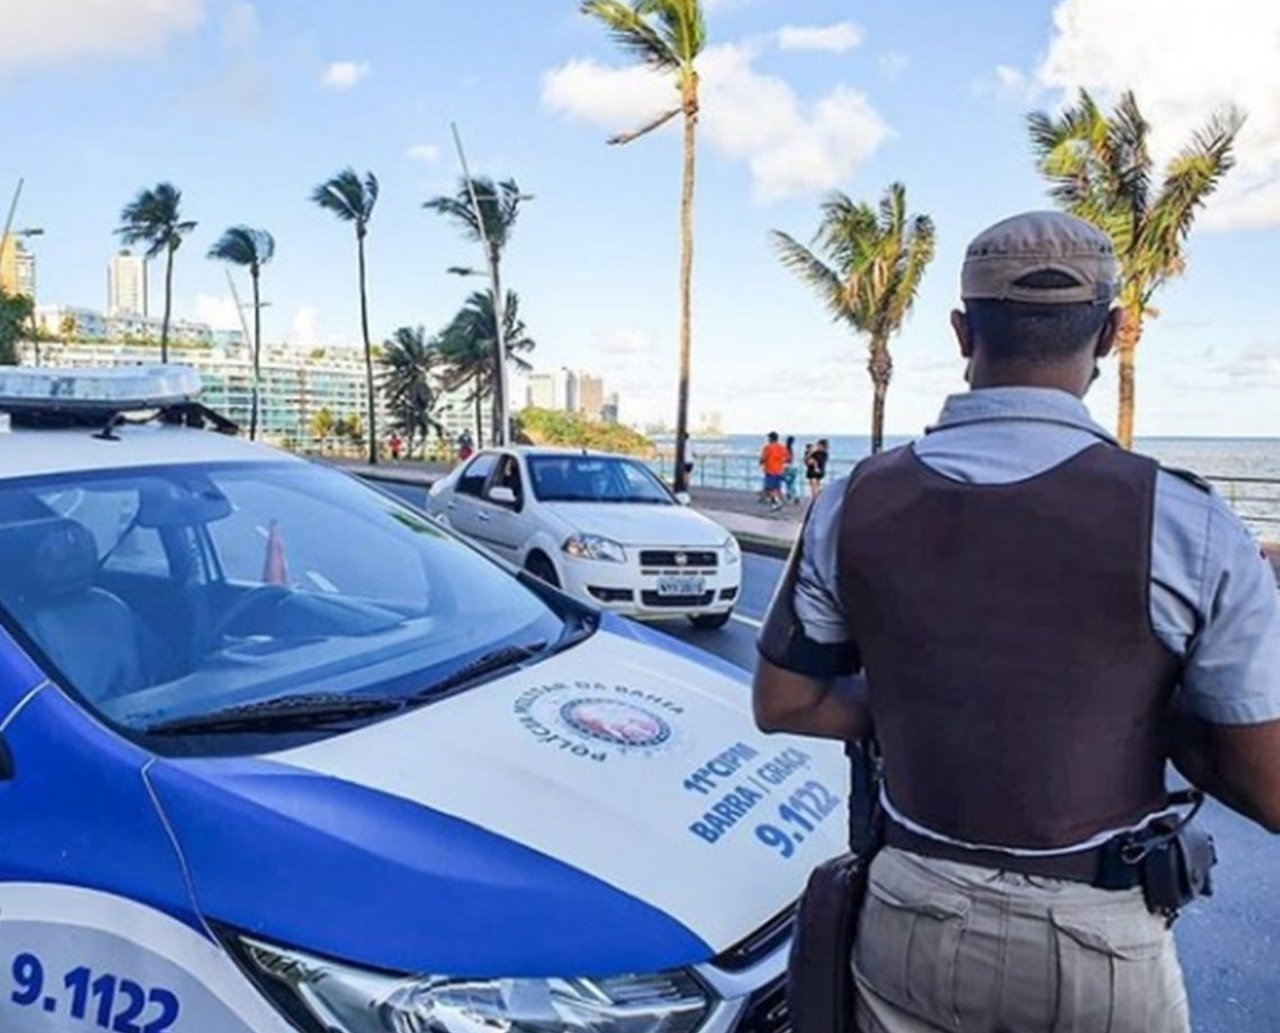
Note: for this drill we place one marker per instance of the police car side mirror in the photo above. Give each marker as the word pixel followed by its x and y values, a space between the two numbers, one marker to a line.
pixel 684 498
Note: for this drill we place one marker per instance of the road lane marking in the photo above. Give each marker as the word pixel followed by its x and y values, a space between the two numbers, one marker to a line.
pixel 751 622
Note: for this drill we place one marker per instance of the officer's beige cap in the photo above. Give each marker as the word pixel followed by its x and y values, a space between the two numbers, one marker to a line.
pixel 1000 257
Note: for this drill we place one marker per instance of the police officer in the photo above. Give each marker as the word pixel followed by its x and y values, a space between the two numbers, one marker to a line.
pixel 1040 619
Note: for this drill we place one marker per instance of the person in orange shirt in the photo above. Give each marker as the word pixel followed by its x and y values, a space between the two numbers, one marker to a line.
pixel 773 462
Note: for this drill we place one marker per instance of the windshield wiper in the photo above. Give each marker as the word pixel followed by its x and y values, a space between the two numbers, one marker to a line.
pixel 295 712
pixel 490 663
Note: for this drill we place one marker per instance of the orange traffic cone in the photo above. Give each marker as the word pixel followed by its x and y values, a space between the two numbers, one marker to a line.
pixel 274 569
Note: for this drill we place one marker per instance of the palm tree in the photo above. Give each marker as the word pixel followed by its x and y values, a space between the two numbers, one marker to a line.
pixel 154 218
pixel 322 425
pixel 1100 168
pixel 499 207
pixel 467 344
pixel 253 248
pixel 877 260
pixel 667 36
pixel 353 200
pixel 410 383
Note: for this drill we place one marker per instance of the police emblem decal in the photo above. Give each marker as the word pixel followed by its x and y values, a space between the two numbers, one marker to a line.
pixel 615 722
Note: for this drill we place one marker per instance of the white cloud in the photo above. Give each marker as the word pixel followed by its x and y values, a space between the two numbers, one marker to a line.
pixel 791 145
pixel 1183 61
pixel 343 75
pixel 427 152
pixel 1010 84
pixel 892 63
pixel 835 39
pixel 40 32
pixel 218 310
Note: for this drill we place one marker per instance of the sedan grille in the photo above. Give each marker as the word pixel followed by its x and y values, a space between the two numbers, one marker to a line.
pixel 656 600
pixel 671 558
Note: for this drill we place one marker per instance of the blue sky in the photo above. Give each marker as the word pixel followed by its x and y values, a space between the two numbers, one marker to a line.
pixel 246 106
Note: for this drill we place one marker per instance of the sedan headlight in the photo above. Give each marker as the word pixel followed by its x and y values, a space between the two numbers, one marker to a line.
pixel 343 999
pixel 594 547
pixel 732 551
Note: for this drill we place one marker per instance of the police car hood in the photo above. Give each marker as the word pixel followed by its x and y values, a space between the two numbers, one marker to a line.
pixel 599 811
pixel 636 523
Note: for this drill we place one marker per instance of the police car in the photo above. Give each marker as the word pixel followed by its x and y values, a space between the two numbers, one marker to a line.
pixel 279 753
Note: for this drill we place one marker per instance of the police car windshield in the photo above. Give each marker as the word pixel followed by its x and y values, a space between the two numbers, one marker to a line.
pixel 162 594
pixel 587 478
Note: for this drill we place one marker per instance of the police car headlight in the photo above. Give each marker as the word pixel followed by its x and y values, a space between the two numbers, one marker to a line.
pixel 732 551
pixel 343 999
pixel 594 547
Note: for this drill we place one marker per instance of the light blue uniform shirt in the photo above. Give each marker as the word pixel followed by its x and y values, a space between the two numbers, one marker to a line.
pixel 1213 598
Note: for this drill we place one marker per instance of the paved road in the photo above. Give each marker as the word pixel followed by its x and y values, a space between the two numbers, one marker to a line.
pixel 1230 945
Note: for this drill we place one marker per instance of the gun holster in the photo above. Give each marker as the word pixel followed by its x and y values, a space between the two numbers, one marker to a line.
pixel 1172 860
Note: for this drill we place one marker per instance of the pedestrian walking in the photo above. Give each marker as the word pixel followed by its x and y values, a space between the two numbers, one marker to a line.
pixel 815 466
pixel 465 446
pixel 773 461
pixel 789 472
pixel 395 444
pixel 1039 621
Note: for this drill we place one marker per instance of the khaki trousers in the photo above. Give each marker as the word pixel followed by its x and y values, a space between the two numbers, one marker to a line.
pixel 945 946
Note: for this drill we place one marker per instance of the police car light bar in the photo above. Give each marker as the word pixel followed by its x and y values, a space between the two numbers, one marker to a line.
pixel 118 390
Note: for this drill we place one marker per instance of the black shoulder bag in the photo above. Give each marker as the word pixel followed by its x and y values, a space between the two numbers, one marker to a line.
pixel 820 990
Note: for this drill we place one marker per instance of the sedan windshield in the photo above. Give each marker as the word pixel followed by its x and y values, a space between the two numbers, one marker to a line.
pixel 162 595
pixel 587 478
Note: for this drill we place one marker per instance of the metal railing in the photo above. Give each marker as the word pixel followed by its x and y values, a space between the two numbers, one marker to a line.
pixel 1255 499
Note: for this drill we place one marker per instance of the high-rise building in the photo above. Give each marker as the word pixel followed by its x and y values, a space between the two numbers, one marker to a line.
pixel 17 267
pixel 127 285
pixel 609 411
pixel 542 391
pixel 557 390
pixel 590 395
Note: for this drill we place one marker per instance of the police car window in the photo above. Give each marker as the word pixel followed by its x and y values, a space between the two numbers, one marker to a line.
pixel 111 517
pixel 286 578
pixel 474 476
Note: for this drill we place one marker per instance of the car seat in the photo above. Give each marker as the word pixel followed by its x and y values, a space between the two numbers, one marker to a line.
pixel 90 635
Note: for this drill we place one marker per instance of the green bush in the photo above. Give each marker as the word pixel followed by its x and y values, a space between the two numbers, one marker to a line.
pixel 547 427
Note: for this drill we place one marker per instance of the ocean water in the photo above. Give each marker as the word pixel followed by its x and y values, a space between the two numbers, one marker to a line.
pixel 1246 471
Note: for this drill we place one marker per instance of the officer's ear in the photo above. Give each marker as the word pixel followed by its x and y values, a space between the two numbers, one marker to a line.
pixel 1106 340
pixel 960 325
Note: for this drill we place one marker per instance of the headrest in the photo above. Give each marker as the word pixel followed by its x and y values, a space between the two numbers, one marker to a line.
pixel 47 559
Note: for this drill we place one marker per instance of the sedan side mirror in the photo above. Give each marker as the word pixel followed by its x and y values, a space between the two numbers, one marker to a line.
pixel 684 498
pixel 501 495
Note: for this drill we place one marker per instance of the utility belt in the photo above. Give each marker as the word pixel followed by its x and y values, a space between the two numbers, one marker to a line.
pixel 1170 858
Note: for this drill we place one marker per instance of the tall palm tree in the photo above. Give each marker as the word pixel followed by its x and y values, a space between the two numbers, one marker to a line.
pixel 352 200
pixel 467 344
pixel 1100 168
pixel 667 36
pixel 410 381
pixel 499 207
pixel 874 262
pixel 252 248
pixel 154 218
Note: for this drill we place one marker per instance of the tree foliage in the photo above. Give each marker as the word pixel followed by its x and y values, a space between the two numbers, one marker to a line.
pixel 549 427
pixel 866 264
pixel 410 380
pixel 15 325
pixel 1099 167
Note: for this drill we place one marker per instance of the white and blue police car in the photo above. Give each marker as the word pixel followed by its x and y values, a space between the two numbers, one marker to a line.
pixel 278 753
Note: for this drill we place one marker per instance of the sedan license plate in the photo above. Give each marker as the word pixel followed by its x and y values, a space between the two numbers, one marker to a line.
pixel 687 584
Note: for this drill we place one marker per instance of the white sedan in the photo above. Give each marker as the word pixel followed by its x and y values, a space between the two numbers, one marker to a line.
pixel 602 527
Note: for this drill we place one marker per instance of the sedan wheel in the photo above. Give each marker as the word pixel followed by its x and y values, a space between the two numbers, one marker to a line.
pixel 710 621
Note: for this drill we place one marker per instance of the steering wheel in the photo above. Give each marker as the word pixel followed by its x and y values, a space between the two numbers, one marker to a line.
pixel 256 598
